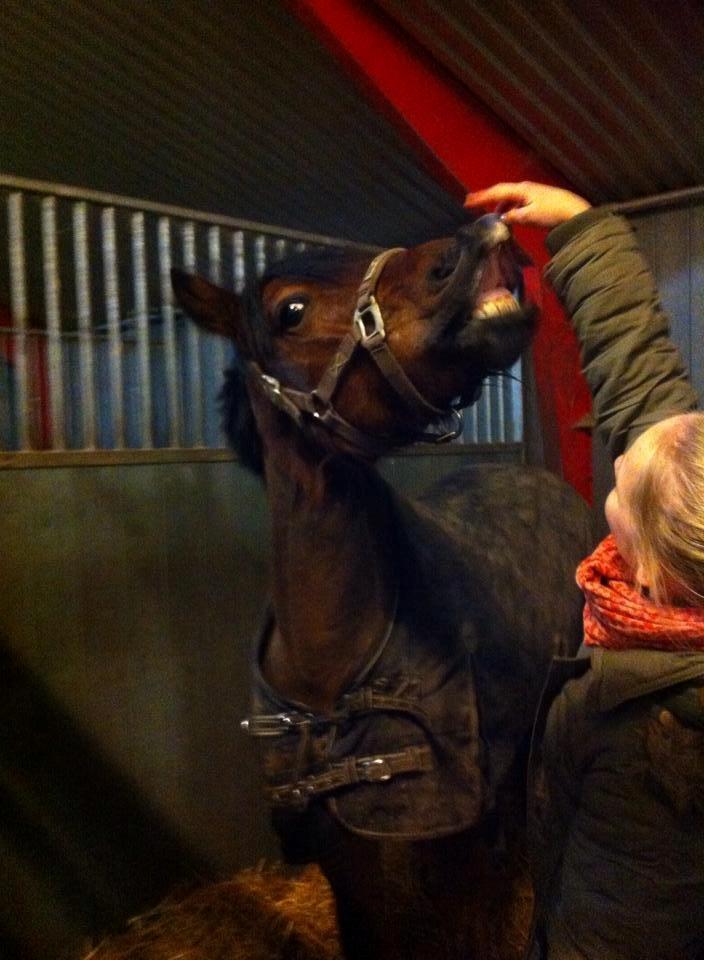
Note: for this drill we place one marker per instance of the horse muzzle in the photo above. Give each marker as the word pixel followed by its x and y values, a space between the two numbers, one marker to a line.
pixel 479 277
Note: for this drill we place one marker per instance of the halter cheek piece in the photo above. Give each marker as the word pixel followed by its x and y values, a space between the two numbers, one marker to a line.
pixel 367 333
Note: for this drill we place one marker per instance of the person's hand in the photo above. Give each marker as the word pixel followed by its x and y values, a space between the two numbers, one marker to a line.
pixel 530 204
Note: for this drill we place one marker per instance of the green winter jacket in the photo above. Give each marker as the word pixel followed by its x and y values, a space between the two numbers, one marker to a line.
pixel 635 373
pixel 616 782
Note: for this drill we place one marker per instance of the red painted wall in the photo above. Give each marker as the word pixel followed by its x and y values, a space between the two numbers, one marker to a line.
pixel 466 147
pixel 37 377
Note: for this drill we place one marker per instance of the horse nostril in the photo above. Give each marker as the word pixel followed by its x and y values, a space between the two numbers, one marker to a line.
pixel 440 272
pixel 446 265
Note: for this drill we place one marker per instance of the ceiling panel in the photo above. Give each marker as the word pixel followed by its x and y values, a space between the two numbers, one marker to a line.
pixel 232 107
pixel 611 94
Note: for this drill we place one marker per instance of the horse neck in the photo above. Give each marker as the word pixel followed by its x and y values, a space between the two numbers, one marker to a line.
pixel 333 578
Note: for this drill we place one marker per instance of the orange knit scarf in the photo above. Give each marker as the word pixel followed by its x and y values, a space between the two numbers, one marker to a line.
pixel 618 616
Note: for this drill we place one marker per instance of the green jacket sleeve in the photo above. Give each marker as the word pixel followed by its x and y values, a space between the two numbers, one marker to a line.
pixel 634 371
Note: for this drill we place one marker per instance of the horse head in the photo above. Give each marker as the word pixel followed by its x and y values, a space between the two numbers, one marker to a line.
pixel 366 357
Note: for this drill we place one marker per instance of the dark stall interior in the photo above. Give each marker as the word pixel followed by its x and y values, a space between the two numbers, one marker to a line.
pixel 133 585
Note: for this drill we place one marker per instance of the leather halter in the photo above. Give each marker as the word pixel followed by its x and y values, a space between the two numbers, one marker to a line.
pixel 367 333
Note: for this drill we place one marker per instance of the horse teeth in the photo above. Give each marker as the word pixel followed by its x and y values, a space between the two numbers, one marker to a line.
pixel 494 308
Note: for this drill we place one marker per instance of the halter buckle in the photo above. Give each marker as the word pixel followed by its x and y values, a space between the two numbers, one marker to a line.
pixel 370 324
pixel 272 388
pixel 273 724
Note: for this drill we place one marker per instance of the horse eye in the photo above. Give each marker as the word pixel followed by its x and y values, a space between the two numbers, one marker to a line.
pixel 290 313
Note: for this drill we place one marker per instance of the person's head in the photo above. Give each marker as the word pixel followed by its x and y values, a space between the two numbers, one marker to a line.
pixel 656 509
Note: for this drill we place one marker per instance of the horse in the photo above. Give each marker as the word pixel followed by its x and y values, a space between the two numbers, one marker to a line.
pixel 402 656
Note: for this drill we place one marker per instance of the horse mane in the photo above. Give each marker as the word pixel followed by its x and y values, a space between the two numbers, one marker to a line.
pixel 326 265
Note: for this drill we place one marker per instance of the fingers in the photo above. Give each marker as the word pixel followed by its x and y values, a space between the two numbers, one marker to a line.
pixel 498 195
pixel 528 203
pixel 523 214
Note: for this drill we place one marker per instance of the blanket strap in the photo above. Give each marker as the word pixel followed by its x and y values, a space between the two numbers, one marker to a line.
pixel 350 771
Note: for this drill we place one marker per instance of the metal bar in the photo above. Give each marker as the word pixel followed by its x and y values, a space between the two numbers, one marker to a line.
pixel 517 405
pixel 175 422
pixel 169 210
pixel 500 411
pixel 52 303
pixel 671 198
pixel 86 359
pixel 215 273
pixel 214 255
pixel 259 255
pixel 112 308
pixel 472 424
pixel 21 460
pixel 239 267
pixel 141 307
pixel 18 307
pixel 195 392
pixel 486 413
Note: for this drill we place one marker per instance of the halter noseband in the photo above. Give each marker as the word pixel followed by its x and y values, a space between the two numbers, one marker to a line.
pixel 368 333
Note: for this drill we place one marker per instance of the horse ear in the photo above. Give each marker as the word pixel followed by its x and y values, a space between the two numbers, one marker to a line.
pixel 211 307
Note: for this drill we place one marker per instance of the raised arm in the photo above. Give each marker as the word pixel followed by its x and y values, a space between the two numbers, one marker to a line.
pixel 634 371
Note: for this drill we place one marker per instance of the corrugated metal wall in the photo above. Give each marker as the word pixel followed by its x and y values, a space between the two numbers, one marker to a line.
pixel 229 106
pixel 672 238
pixel 673 242
pixel 129 596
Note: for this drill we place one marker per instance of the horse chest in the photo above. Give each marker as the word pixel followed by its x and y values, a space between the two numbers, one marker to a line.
pixel 399 754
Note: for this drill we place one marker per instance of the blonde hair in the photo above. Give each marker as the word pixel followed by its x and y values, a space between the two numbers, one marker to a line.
pixel 667 509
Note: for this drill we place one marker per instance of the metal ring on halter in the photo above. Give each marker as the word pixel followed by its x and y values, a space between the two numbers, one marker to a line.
pixel 452 434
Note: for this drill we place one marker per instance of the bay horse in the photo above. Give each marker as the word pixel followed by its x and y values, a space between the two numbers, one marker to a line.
pixel 401 661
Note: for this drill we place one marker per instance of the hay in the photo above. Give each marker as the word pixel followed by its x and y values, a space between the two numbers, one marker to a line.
pixel 273 913
pixel 263 913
